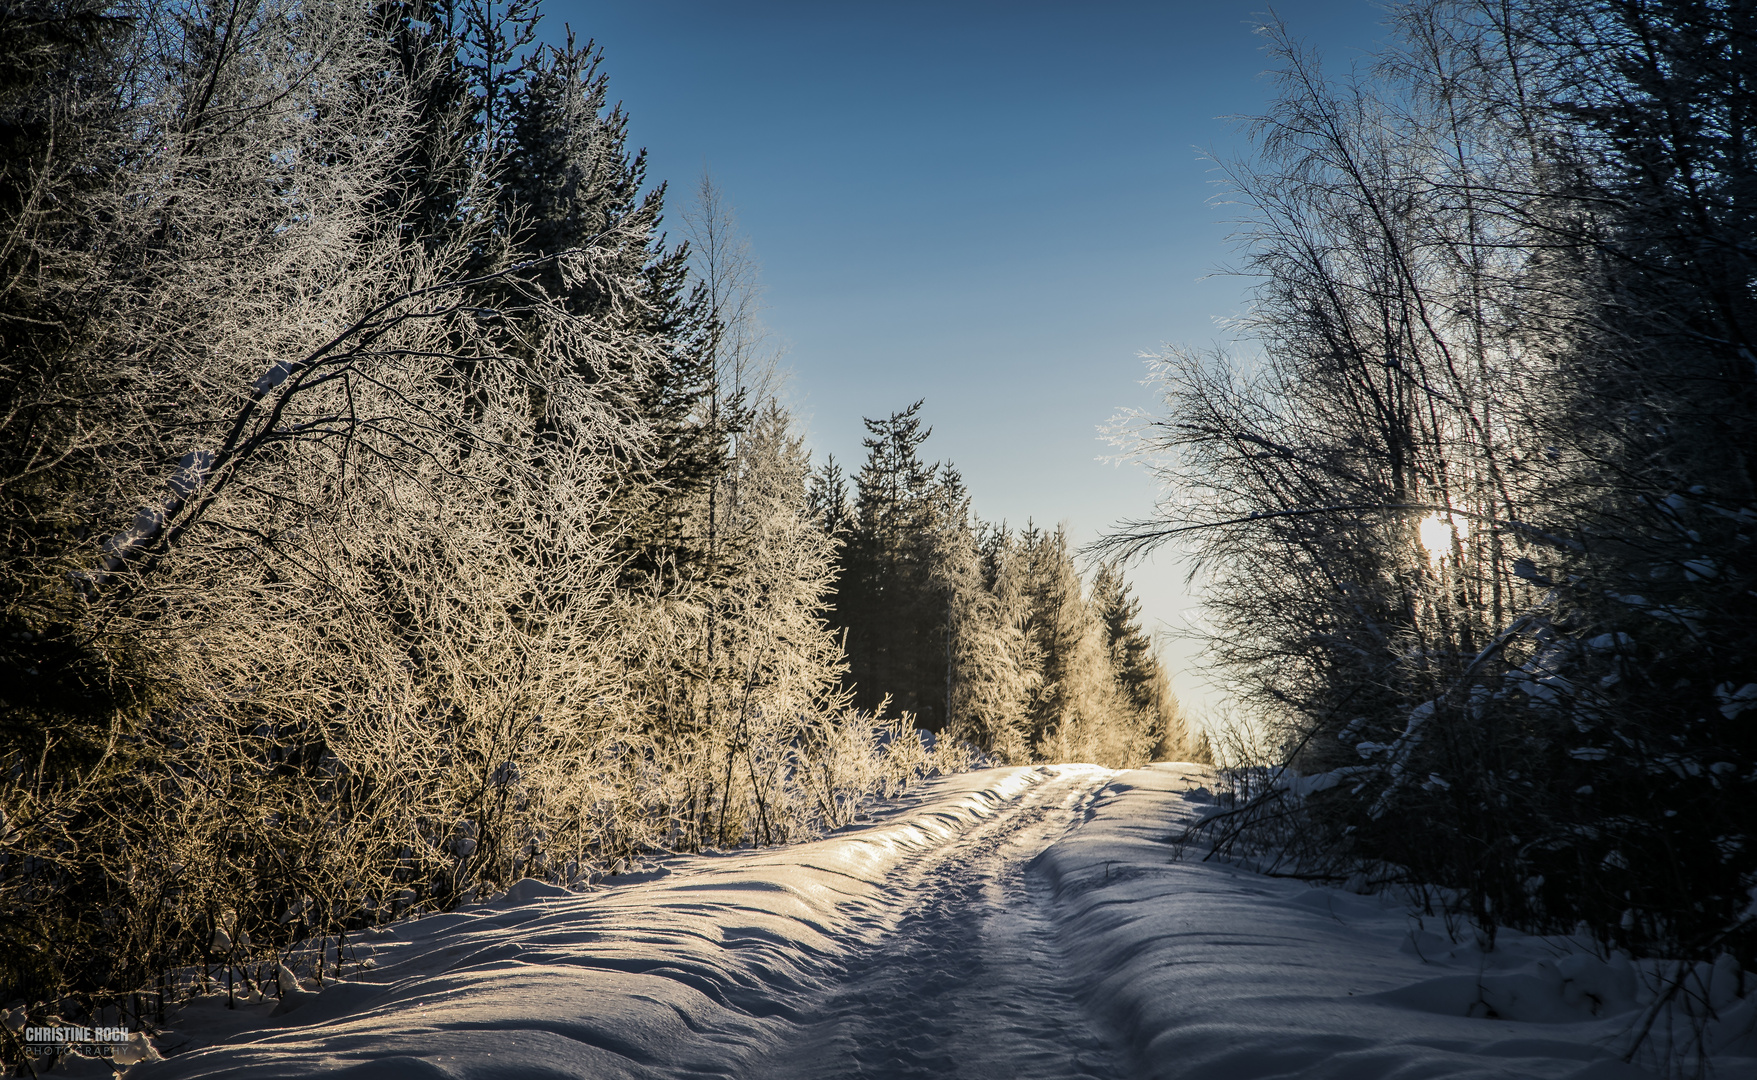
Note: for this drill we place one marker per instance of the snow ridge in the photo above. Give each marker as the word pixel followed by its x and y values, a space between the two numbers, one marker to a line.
pixel 695 970
pixel 1012 923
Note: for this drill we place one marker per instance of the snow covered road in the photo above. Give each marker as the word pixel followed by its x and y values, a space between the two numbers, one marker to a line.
pixel 913 945
pixel 1021 922
pixel 963 974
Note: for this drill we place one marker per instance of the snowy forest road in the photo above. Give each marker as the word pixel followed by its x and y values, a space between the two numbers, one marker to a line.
pixel 965 976
pixel 1018 922
pixel 918 943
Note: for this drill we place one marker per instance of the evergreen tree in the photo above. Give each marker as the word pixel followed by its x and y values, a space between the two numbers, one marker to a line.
pixel 62 107
pixel 784 660
pixel 1138 670
pixel 1078 709
pixel 995 663
pixel 894 618
pixel 67 693
pixel 1130 650
pixel 981 634
pixel 444 178
pixel 570 183
pixel 828 497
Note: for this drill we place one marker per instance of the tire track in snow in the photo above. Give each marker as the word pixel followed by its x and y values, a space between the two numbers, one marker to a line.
pixel 968 979
pixel 914 946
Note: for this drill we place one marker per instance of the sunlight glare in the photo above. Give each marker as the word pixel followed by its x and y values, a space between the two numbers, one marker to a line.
pixel 1437 532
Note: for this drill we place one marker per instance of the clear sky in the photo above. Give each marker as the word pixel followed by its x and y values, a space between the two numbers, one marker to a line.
pixel 994 206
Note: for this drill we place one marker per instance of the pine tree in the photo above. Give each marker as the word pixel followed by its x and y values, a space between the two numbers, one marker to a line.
pixel 1138 670
pixel 828 497
pixel 1130 650
pixel 995 664
pixel 885 600
pixel 784 660
pixel 570 183
pixel 444 178
pixel 1079 709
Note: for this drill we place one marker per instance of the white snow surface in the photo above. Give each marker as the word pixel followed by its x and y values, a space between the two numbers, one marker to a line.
pixel 1010 923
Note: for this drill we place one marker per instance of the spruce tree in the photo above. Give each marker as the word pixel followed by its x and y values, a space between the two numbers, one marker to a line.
pixel 1079 709
pixel 994 664
pixel 1130 650
pixel 828 497
pixel 885 600
pixel 1138 670
pixel 571 183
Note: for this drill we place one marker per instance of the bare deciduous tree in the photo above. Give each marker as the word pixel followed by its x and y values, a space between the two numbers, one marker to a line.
pixel 1461 520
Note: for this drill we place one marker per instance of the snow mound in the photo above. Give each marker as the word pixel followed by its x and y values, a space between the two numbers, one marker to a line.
pixel 1098 953
pixel 686 972
pixel 1209 970
pixel 1572 988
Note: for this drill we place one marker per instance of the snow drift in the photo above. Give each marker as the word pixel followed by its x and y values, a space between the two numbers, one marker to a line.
pixel 764 963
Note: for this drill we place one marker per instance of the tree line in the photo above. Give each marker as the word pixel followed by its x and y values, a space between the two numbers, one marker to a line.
pixel 392 511
pixel 987 635
pixel 1477 517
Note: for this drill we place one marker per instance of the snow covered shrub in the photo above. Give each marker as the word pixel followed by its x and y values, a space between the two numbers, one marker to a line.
pixel 236 286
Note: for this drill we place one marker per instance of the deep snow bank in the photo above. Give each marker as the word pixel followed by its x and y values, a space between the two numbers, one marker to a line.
pixel 1210 971
pixel 687 972
pixel 737 964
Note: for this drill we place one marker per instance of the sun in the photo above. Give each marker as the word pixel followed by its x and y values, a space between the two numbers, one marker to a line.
pixel 1438 531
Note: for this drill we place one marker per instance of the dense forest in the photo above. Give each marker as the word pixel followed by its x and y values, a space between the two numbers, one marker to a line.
pixel 1477 516
pixel 392 511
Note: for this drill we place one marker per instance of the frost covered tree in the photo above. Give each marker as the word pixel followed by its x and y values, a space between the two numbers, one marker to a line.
pixel 1078 708
pixel 987 636
pixel 345 527
pixel 570 182
pixel 885 600
pixel 992 665
pixel 1137 669
pixel 353 456
pixel 1654 103
pixel 1474 521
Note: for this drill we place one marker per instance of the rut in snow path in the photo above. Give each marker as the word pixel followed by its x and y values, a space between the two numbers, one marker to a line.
pixel 972 929
pixel 918 944
pixel 963 975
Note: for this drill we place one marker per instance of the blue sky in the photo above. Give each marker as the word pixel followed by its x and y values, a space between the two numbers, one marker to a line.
pixel 993 206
